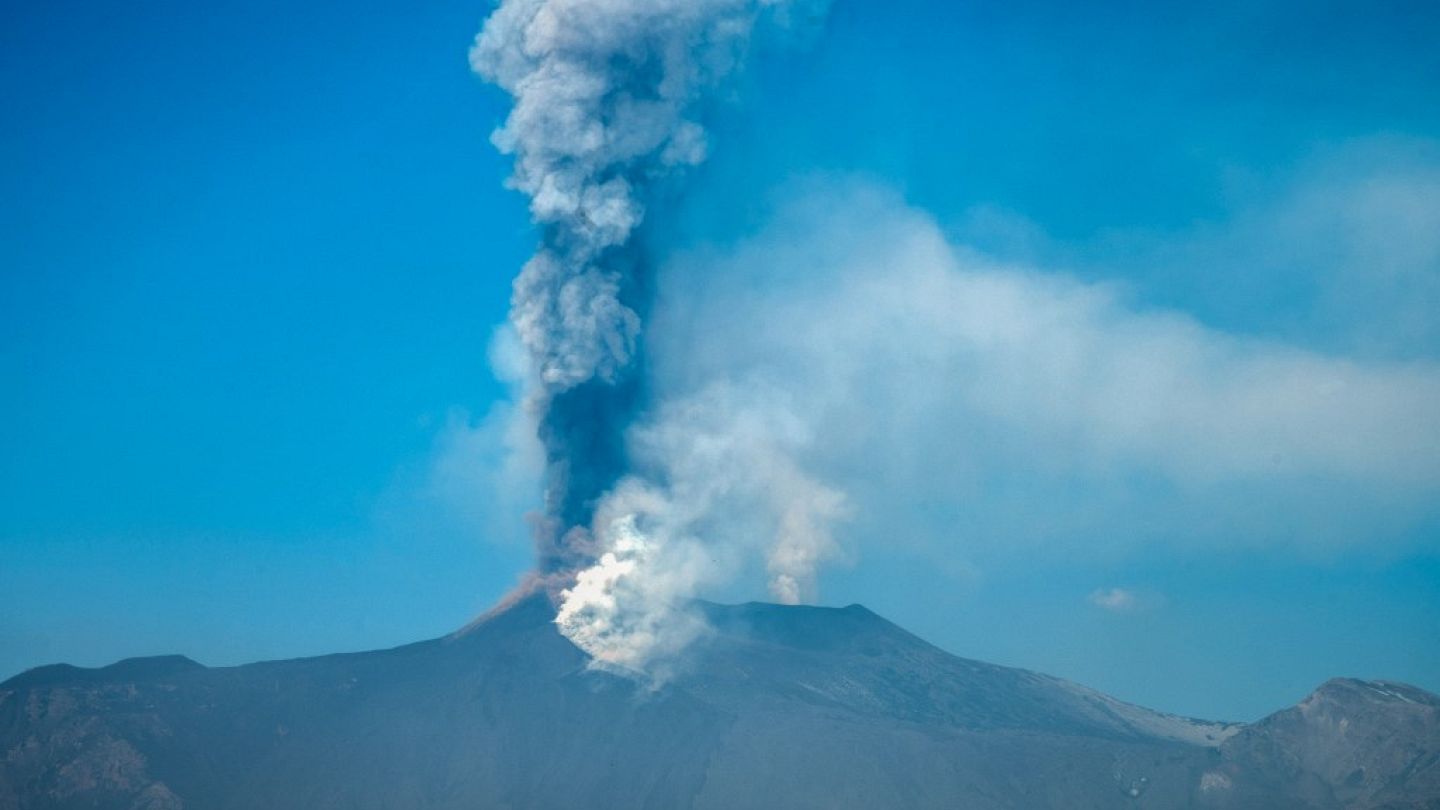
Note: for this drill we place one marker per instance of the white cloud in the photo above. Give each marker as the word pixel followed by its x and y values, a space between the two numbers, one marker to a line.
pixel 1124 600
pixel 1340 253
pixel 1116 600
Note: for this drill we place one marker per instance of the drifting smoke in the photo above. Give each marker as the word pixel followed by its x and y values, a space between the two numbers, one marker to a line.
pixel 605 93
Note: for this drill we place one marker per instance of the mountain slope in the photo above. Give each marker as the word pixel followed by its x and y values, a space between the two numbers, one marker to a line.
pixel 1350 743
pixel 778 707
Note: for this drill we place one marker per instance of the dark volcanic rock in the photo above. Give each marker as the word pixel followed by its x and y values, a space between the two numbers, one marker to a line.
pixel 779 707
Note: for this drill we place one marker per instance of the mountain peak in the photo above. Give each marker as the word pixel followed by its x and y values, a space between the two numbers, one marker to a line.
pixel 1357 691
pixel 527 606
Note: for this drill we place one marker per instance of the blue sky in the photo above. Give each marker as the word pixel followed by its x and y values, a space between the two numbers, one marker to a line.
pixel 255 257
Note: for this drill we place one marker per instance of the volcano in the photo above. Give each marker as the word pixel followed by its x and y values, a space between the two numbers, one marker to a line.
pixel 778 707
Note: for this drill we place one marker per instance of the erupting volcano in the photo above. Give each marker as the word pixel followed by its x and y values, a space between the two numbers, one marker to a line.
pixel 1007 409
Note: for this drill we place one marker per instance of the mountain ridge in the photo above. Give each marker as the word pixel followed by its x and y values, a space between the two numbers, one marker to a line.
pixel 794 706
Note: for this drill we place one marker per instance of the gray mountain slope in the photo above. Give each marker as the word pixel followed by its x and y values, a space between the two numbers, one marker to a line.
pixel 779 707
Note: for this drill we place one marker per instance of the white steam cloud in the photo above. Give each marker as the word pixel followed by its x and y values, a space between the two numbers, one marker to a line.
pixel 731 491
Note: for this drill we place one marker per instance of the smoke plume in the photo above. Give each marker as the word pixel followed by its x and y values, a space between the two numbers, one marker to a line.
pixel 605 106
pixel 720 488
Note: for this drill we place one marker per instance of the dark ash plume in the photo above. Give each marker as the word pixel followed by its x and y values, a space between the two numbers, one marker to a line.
pixel 603 92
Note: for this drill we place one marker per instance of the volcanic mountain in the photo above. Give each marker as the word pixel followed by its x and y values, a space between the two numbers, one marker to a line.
pixel 779 707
